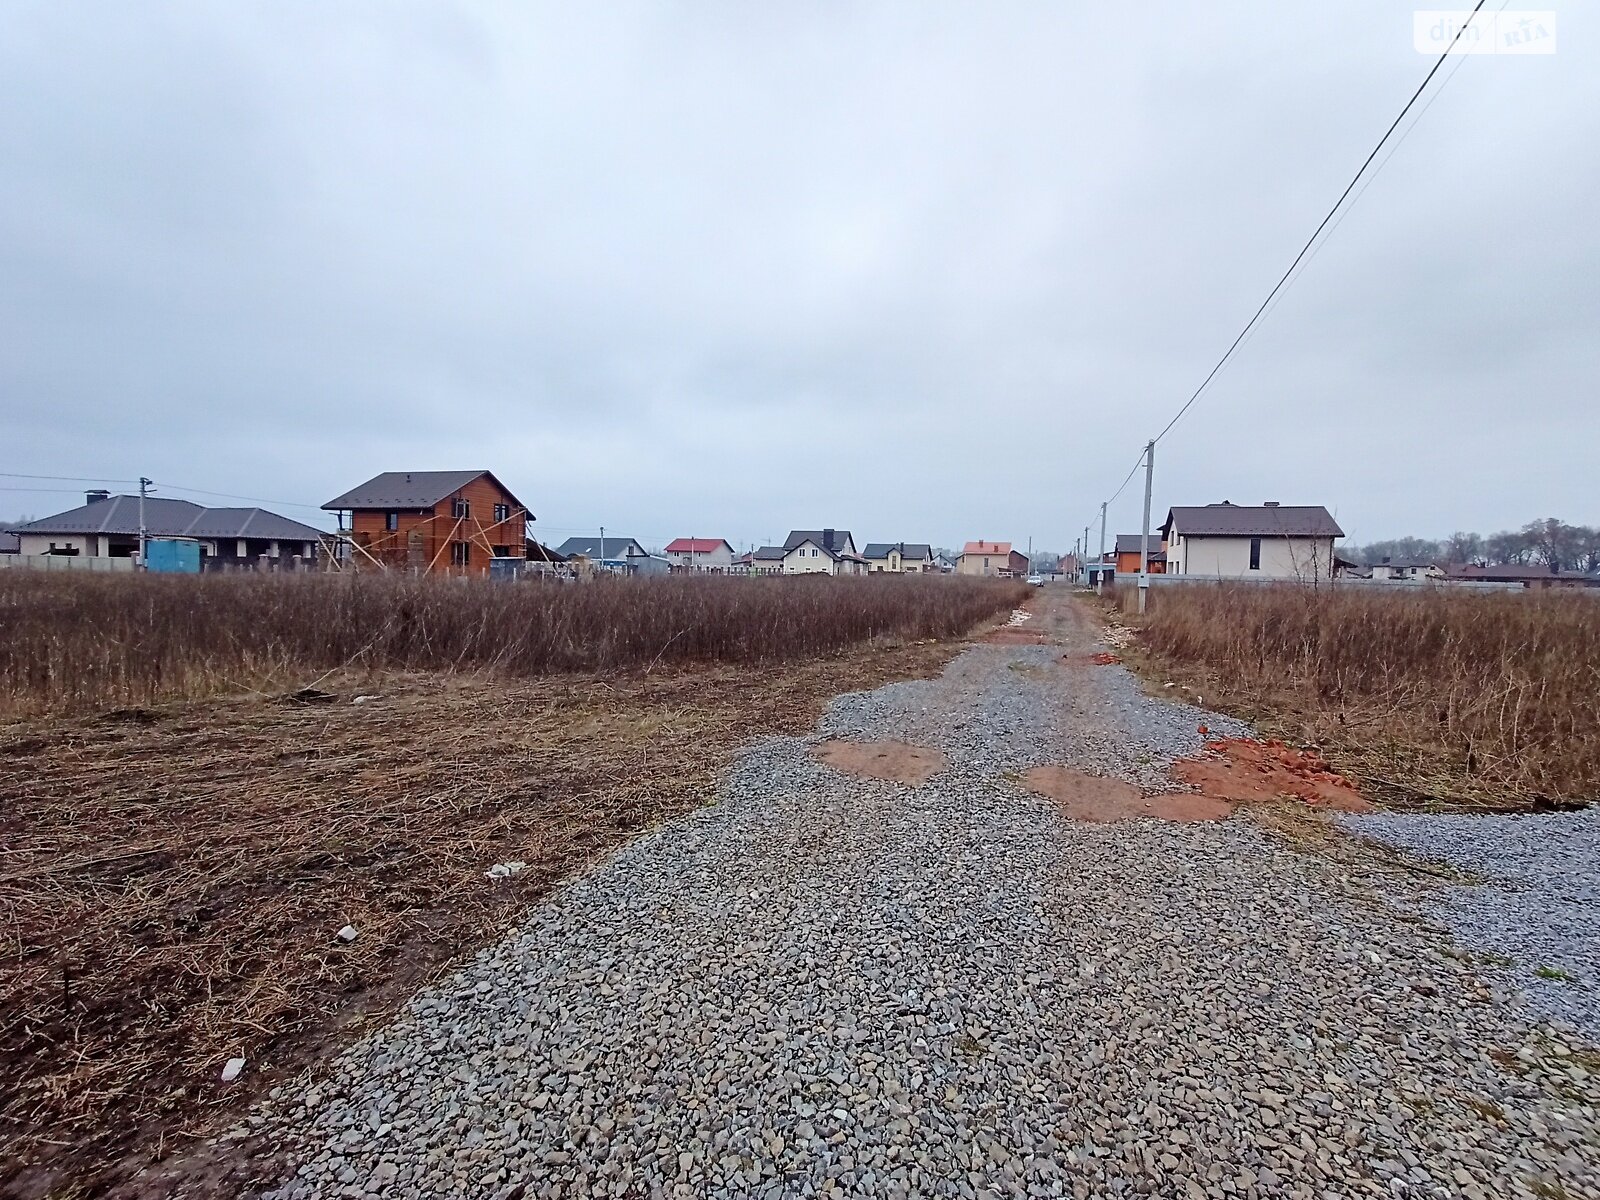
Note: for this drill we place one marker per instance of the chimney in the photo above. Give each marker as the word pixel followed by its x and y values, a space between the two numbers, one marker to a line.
pixel 96 494
pixel 827 539
pixel 1269 504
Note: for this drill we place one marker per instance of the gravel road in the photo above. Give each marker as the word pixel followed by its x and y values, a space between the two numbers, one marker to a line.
pixel 824 985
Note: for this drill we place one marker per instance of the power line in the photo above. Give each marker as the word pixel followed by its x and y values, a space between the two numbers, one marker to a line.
pixel 62 479
pixel 178 487
pixel 1323 224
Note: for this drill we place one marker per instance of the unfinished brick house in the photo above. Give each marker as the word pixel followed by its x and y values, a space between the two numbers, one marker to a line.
pixel 443 522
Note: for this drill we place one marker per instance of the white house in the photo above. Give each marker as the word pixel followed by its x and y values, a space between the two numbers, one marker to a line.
pixel 898 558
pixel 821 552
pixel 713 555
pixel 1236 541
pixel 1407 571
pixel 107 526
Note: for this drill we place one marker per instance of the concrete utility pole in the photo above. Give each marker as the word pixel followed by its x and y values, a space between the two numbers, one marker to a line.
pixel 144 532
pixel 1144 530
pixel 1086 552
pixel 1103 504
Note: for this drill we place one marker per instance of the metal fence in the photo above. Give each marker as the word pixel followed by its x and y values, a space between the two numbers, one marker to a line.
pixel 1131 579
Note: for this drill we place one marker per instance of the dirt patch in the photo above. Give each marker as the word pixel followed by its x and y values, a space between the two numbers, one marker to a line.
pixel 1103 659
pixel 1251 772
pixel 1100 800
pixel 899 762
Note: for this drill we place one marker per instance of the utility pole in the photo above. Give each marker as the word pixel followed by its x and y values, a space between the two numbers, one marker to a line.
pixel 1144 530
pixel 1086 552
pixel 144 532
pixel 602 563
pixel 1103 504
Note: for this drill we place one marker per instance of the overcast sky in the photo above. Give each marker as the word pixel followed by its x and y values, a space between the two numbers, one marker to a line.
pixel 925 271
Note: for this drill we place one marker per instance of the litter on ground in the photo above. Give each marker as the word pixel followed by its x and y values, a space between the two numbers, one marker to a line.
pixel 505 870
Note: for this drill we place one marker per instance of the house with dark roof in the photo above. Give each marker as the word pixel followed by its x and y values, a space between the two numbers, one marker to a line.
pixel 450 522
pixel 821 552
pixel 1418 570
pixel 1126 555
pixel 1239 541
pixel 107 526
pixel 899 558
pixel 1532 576
pixel 763 560
pixel 620 555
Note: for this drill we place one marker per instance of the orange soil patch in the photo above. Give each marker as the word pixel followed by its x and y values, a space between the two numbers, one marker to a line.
pixel 899 762
pixel 1098 799
pixel 1249 772
pixel 1103 659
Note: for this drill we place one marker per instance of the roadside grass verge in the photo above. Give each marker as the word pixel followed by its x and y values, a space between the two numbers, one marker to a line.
pixel 1427 698
pixel 74 642
pixel 175 878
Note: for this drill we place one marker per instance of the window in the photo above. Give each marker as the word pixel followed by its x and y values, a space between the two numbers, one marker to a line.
pixel 813 552
pixel 460 554
pixel 391 521
pixel 1255 554
pixel 460 508
pixel 502 551
pixel 502 512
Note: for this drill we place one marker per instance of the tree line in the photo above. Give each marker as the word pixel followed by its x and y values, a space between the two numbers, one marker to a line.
pixel 1549 542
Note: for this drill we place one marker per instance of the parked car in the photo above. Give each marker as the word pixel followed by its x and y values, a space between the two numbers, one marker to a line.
pixel 1035 580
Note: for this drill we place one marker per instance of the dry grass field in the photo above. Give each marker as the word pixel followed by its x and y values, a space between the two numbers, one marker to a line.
pixel 182 840
pixel 84 641
pixel 1429 697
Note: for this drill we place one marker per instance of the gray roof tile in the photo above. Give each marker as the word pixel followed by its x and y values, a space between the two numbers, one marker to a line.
pixel 407 489
pixel 1252 520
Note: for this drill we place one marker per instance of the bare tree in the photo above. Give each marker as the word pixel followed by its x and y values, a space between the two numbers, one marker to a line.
pixel 1461 547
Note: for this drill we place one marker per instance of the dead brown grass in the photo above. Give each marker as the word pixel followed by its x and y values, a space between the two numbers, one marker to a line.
pixel 75 641
pixel 1423 697
pixel 173 877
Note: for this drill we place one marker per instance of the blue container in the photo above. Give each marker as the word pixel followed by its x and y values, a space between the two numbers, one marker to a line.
pixel 172 556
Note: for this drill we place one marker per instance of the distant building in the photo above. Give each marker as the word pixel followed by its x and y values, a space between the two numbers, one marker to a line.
pixel 898 558
pixel 765 560
pixel 992 558
pixel 712 555
pixel 1406 570
pixel 107 526
pixel 1127 554
pixel 1533 576
pixel 442 522
pixel 821 552
pixel 1267 541
pixel 622 555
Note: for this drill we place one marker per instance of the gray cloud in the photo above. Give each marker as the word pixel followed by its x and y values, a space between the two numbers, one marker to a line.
pixel 924 271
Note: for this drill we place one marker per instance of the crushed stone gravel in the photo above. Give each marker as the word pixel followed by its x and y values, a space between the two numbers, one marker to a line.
pixel 1533 910
pixel 825 985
